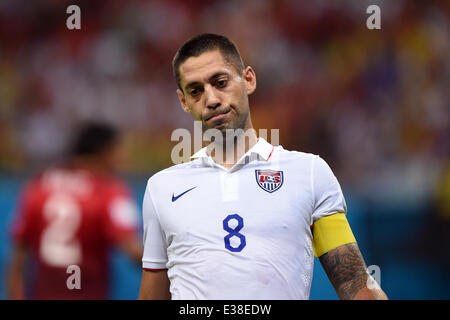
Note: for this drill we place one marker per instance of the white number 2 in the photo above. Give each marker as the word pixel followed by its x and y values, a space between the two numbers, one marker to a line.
pixel 58 246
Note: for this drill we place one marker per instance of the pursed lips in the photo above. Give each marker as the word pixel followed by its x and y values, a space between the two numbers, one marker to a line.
pixel 217 116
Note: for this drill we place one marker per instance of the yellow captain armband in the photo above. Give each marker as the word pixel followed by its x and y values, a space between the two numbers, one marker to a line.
pixel 331 232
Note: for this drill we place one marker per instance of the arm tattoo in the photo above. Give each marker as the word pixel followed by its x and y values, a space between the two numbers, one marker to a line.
pixel 346 270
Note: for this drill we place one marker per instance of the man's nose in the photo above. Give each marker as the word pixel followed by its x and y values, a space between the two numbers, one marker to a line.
pixel 212 99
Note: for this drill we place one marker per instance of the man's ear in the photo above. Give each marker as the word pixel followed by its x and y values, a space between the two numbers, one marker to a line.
pixel 249 77
pixel 182 99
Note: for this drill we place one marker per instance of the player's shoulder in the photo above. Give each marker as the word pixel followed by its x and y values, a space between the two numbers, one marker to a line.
pixel 39 180
pixel 32 188
pixel 109 185
pixel 80 181
pixel 295 155
pixel 304 161
pixel 161 177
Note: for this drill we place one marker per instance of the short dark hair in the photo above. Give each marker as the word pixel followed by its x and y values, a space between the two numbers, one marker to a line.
pixel 93 138
pixel 202 43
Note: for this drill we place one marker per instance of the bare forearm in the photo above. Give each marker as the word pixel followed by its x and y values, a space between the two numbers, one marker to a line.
pixel 153 295
pixel 132 247
pixel 347 272
pixel 370 294
pixel 154 285
pixel 361 288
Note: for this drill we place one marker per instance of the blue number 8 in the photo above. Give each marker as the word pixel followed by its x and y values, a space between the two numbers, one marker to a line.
pixel 234 232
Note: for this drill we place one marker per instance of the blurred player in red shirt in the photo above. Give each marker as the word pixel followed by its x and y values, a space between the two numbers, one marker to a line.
pixel 71 215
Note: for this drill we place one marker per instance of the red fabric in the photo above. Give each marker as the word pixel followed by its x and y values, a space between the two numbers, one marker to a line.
pixel 152 269
pixel 94 233
pixel 270 154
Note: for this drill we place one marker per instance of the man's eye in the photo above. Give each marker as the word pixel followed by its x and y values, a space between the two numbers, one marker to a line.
pixel 222 83
pixel 194 92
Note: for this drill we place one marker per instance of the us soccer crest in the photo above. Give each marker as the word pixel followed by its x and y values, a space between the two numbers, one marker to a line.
pixel 269 180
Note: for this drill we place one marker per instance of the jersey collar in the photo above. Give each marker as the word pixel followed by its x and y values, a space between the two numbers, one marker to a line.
pixel 262 148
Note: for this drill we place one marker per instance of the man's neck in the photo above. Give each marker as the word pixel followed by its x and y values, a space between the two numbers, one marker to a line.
pixel 228 152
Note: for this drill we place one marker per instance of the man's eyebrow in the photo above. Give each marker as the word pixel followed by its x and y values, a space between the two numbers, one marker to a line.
pixel 192 84
pixel 217 75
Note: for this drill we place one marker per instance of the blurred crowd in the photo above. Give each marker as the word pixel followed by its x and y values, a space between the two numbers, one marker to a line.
pixel 373 103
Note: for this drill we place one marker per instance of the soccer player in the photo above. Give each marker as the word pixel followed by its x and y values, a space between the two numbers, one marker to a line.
pixel 242 223
pixel 72 214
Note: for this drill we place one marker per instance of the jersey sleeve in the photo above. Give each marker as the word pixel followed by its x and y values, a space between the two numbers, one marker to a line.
pixel 122 215
pixel 330 227
pixel 155 248
pixel 327 193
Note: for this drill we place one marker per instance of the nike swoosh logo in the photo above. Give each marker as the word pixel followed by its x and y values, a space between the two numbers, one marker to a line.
pixel 175 198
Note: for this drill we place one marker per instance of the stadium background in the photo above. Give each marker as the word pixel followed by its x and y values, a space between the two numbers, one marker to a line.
pixel 373 103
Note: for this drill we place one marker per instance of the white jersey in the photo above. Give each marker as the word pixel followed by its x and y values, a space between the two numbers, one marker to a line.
pixel 242 233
